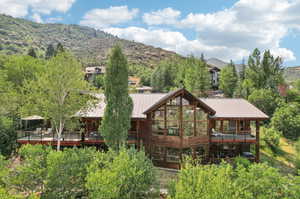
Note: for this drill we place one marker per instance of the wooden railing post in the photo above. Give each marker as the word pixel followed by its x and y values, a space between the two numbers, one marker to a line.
pixel 257 158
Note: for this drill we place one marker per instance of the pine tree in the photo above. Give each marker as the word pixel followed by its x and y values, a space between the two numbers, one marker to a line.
pixel 50 52
pixel 31 52
pixel 242 71
pixel 59 49
pixel 228 79
pixel 117 115
pixel 197 78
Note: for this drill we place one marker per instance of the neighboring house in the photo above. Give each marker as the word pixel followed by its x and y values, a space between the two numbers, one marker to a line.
pixel 170 125
pixel 214 72
pixel 134 81
pixel 144 89
pixel 92 72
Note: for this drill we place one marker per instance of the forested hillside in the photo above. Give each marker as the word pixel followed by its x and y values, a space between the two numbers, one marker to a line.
pixel 90 45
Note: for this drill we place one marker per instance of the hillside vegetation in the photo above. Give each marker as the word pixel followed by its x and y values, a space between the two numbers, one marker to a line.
pixel 90 45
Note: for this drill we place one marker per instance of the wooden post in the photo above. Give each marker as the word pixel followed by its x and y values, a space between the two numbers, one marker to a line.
pixel 165 120
pixel 195 119
pixel 222 126
pixel 257 158
pixel 137 134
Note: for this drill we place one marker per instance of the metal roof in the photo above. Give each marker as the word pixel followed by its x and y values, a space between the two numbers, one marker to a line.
pixel 234 108
pixel 141 102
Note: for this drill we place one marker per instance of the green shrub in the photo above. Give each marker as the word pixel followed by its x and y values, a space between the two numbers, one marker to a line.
pixel 127 174
pixel 270 136
pixel 287 120
pixel 238 161
pixel 3 171
pixel 66 173
pixel 258 181
pixel 30 174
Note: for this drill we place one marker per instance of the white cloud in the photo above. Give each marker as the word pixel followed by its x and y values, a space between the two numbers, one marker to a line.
pixel 177 42
pixel 37 18
pixel 247 25
pixel 102 18
pixel 21 8
pixel 164 16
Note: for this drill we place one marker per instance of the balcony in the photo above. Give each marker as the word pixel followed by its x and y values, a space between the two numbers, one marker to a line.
pixel 233 137
pixel 75 138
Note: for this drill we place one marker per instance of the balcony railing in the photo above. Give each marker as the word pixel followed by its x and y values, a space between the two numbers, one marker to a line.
pixel 233 137
pixel 50 136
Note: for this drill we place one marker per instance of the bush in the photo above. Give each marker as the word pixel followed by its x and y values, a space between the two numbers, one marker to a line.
pixel 8 136
pixel 287 120
pixel 125 174
pixel 270 136
pixel 30 175
pixel 66 173
pixel 222 181
pixel 3 170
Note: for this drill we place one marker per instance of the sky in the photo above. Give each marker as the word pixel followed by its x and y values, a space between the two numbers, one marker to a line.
pixel 224 29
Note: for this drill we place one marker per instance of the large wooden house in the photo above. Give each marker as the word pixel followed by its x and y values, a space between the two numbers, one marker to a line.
pixel 169 125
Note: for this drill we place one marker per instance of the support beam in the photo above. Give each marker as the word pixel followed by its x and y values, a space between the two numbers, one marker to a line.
pixel 257 158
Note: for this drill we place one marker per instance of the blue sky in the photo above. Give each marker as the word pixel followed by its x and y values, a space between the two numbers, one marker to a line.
pixel 225 29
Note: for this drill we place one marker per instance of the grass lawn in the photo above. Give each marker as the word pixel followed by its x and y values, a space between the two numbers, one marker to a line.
pixel 282 157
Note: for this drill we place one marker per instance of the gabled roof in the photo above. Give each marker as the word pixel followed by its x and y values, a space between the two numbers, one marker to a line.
pixel 141 102
pixel 234 108
pixel 176 93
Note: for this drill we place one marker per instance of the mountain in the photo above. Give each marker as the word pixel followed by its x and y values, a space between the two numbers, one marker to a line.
pixel 292 73
pixel 90 45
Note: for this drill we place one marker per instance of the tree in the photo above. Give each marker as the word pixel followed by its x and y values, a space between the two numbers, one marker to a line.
pixel 30 174
pixel 223 181
pixel 266 72
pixel 228 79
pixel 117 114
pixel 242 71
pixel 50 52
pixel 163 77
pixel 56 94
pixel 8 136
pixel 266 100
pixel 67 172
pixel 32 53
pixel 59 49
pixel 197 78
pixel 287 120
pixel 127 174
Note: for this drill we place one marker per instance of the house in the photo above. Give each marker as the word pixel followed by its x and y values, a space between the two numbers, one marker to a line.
pixel 170 125
pixel 134 81
pixel 92 72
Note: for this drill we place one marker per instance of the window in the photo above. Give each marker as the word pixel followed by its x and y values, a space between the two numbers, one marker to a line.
pixel 173 155
pixel 158 127
pixel 188 128
pixel 158 153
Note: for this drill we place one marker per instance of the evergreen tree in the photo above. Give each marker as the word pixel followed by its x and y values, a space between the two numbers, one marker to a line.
pixel 266 72
pixel 50 52
pixel 59 49
pixel 163 77
pixel 31 52
pixel 197 78
pixel 228 79
pixel 243 71
pixel 117 115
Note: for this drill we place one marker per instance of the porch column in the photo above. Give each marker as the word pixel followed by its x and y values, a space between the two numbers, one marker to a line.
pixel 257 142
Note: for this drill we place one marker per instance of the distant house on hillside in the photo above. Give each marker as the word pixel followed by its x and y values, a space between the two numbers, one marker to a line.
pixel 92 72
pixel 134 81
pixel 169 126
